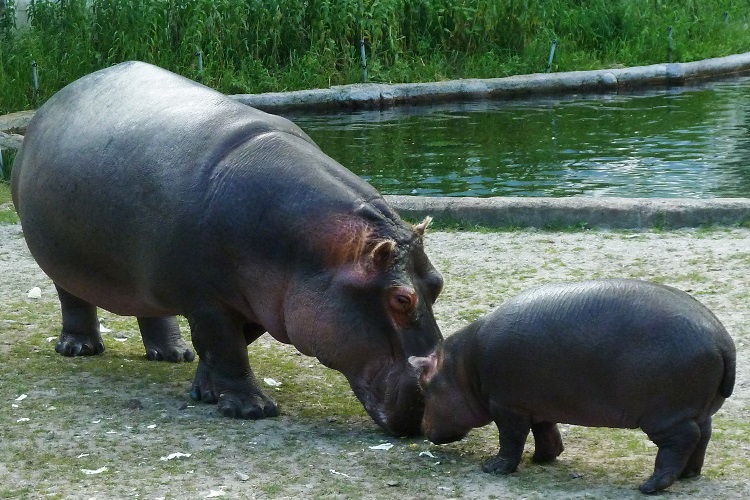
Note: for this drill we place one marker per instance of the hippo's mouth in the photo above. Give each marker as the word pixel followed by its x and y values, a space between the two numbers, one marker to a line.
pixel 392 398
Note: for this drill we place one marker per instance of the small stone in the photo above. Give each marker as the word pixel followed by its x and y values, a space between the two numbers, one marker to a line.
pixel 183 406
pixel 392 483
pixel 331 420
pixel 575 475
pixel 242 476
pixel 135 404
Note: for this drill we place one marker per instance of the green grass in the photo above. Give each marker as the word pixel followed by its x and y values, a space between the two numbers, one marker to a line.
pixel 255 46
pixel 7 212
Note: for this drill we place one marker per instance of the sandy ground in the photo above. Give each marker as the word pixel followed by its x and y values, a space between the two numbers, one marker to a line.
pixel 481 270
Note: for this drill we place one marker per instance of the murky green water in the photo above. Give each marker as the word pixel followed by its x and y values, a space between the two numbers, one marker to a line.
pixel 687 142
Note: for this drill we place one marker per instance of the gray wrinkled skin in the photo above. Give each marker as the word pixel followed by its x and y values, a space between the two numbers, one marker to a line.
pixel 607 353
pixel 147 194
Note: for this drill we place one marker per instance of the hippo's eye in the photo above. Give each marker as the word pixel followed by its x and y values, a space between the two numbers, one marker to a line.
pixel 403 299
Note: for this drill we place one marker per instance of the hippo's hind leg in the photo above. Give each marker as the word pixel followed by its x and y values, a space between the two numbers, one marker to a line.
pixel 224 375
pixel 162 339
pixel 80 326
pixel 548 442
pixel 513 430
pixel 695 463
pixel 676 447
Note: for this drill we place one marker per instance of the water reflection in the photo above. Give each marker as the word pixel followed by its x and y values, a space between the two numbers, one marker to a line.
pixel 685 142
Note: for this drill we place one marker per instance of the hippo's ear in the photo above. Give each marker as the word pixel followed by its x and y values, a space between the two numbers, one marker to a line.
pixel 422 226
pixel 382 255
pixel 425 366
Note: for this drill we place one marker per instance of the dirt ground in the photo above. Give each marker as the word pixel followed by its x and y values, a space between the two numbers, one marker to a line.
pixel 117 426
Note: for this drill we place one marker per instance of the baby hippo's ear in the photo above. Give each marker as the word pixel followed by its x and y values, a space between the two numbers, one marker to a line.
pixel 426 367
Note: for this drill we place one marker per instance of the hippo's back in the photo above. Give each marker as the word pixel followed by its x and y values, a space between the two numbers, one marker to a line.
pixel 131 178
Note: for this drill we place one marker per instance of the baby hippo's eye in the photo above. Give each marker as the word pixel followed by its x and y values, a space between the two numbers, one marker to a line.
pixel 403 299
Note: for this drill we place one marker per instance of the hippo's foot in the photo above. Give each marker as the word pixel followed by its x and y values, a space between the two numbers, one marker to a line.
pixel 657 482
pixel 162 340
pixel 175 353
pixel 79 335
pixel 71 344
pixel 499 465
pixel 248 406
pixel 250 403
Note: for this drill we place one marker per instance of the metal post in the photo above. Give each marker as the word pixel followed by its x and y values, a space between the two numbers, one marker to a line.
pixel 364 60
pixel 551 54
pixel 199 55
pixel 34 77
pixel 669 43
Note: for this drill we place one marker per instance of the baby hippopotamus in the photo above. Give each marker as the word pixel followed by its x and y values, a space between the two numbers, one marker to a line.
pixel 604 353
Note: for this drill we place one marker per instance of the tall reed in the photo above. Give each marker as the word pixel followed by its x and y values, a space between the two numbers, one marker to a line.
pixel 264 45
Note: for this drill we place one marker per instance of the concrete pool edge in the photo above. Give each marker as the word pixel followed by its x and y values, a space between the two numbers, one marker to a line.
pixel 575 212
pixel 384 95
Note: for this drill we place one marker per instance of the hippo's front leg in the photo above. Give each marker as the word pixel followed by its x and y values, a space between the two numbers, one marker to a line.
pixel 224 375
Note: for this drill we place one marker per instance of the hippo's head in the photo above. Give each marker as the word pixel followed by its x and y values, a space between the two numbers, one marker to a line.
pixel 367 313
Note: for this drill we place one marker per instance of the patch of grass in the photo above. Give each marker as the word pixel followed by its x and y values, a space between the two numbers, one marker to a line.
pixel 4 192
pixel 8 216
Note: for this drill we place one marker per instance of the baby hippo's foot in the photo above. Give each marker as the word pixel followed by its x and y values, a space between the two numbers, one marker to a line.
pixel 658 482
pixel 548 444
pixel 500 465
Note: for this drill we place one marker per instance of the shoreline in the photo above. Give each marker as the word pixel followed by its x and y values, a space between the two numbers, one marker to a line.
pixel 510 212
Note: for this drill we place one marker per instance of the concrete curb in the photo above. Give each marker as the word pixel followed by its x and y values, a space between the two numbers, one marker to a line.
pixel 380 95
pixel 557 213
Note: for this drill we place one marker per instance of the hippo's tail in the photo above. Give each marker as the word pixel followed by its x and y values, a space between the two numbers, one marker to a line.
pixel 727 381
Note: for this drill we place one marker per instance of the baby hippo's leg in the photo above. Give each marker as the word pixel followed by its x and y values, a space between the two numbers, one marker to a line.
pixel 513 430
pixel 695 463
pixel 676 446
pixel 548 442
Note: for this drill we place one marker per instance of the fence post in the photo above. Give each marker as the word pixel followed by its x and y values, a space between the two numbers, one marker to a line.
pixel 669 43
pixel 551 54
pixel 364 59
pixel 199 55
pixel 35 77
pixel 726 17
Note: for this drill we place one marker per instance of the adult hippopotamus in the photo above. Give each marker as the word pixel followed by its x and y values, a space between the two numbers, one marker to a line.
pixel 147 194
pixel 605 353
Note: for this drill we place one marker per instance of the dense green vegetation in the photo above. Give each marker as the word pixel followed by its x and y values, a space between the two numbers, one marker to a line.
pixel 263 45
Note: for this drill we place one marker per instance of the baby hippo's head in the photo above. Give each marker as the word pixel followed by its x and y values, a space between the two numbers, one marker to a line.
pixel 450 407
